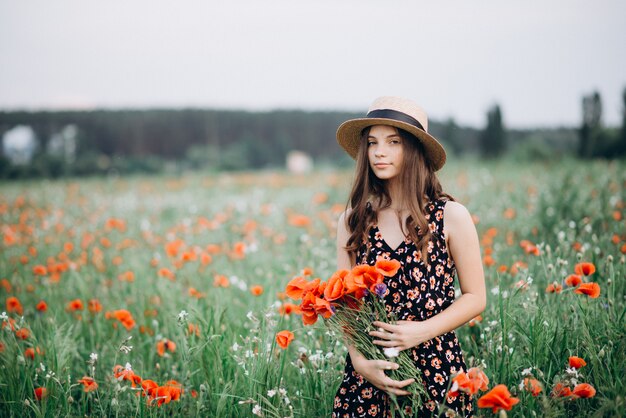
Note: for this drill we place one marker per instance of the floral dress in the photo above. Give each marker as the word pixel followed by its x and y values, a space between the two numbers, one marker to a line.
pixel 416 293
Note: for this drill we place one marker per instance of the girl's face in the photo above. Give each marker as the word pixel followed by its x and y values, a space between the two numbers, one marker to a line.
pixel 385 151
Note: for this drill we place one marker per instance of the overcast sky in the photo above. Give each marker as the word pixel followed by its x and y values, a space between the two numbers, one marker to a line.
pixel 455 58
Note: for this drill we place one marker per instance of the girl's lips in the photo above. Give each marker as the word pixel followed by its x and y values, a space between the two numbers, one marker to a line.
pixel 380 165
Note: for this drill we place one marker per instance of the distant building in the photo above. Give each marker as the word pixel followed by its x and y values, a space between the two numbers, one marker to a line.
pixel 63 143
pixel 299 162
pixel 19 144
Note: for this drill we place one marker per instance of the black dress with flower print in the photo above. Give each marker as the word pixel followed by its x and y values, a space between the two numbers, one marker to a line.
pixel 416 293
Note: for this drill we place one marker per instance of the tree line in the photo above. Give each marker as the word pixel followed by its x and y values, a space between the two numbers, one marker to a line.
pixel 149 140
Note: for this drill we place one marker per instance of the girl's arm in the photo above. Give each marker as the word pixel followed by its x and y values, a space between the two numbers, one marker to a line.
pixel 372 370
pixel 464 249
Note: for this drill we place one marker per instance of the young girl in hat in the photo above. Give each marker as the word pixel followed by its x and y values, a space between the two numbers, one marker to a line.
pixel 397 210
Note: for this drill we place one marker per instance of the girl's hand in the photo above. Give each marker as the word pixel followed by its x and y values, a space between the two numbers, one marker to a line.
pixel 403 335
pixel 374 372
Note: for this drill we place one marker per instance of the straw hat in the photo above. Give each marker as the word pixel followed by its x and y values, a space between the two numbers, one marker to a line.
pixel 398 112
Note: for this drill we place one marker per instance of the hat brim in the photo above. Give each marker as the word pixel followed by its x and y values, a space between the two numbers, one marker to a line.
pixel 349 137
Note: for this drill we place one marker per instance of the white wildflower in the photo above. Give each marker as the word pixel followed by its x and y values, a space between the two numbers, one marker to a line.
pixel 271 393
pixel 4 316
pixel 236 347
pixel 256 410
pixel 126 348
pixel 282 392
pixel 182 316
pixel 391 352
pixel 495 290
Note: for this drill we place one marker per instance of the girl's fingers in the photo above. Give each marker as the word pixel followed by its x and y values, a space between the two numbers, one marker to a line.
pixel 389 382
pixel 406 382
pixel 384 325
pixel 386 365
pixel 378 334
pixel 397 392
pixel 386 343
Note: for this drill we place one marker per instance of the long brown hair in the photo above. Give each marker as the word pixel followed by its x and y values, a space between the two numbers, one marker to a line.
pixel 418 179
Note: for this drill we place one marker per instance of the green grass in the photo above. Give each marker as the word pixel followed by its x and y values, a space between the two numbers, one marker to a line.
pixel 234 363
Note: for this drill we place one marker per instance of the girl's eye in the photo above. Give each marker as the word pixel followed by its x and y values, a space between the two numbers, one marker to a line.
pixel 370 143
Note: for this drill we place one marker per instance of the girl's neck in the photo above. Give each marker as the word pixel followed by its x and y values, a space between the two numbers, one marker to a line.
pixel 397 197
pixel 395 194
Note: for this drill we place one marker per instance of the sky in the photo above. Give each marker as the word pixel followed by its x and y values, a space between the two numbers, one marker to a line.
pixel 456 59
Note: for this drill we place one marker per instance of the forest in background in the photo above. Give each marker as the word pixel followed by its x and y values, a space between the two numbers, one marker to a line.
pixel 76 143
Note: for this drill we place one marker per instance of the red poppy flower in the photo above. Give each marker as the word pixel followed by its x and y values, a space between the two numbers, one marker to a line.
pixel 532 385
pixel 193 292
pixel 239 250
pixel 30 352
pixel 121 373
pixel 584 390
pixel 299 220
pixel 561 391
pixel 89 384
pixel 284 338
pixel 388 268
pixel 40 270
pixel 469 382
pixel 14 305
pixel 22 333
pixel 573 280
pixel 94 305
pixel 165 344
pixel 75 305
pixel 288 309
pixel 554 288
pixel 576 362
pixel 149 387
pixel 585 269
pixel 336 287
pixel 307 307
pixel 497 398
pixel 42 306
pixel 590 289
pixel 256 290
pixel 123 316
pixel 298 286
pixel 40 393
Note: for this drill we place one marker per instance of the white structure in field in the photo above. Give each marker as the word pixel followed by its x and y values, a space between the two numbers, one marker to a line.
pixel 19 144
pixel 63 143
pixel 299 162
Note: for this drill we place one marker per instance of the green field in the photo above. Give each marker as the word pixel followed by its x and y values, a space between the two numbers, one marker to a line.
pixel 199 264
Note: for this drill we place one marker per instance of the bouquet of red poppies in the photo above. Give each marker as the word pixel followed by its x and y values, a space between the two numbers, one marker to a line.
pixel 350 301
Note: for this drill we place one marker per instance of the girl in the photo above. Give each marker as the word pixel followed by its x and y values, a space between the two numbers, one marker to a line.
pixel 397 210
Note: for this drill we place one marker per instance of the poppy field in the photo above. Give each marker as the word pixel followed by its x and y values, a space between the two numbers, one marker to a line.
pixel 166 296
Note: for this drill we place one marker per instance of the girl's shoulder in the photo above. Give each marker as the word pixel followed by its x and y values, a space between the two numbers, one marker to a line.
pixel 456 216
pixel 454 209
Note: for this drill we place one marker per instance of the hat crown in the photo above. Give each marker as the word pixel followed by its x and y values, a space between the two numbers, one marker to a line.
pixel 400 104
